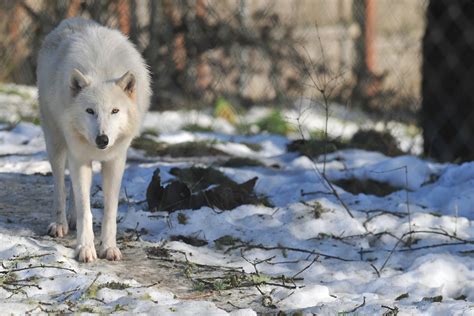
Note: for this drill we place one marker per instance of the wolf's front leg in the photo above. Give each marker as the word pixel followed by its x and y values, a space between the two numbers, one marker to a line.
pixel 81 177
pixel 112 172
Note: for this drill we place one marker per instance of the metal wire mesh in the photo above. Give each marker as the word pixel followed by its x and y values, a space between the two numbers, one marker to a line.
pixel 447 87
pixel 406 59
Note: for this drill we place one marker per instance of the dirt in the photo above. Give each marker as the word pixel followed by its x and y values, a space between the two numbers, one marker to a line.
pixel 239 162
pixel 186 149
pixel 368 186
pixel 25 203
pixel 370 140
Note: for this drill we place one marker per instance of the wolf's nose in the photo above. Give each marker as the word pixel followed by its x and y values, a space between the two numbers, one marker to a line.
pixel 102 141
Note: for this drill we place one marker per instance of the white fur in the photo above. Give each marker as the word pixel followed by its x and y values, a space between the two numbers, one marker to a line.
pixel 83 66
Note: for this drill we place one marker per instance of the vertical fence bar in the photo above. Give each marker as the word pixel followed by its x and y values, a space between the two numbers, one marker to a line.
pixel 123 11
pixel 370 35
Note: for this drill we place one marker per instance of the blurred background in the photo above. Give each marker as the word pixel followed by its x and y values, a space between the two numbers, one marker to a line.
pixel 407 61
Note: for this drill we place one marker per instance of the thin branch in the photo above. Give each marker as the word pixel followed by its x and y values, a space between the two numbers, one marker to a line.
pixel 305 268
pixel 37 267
pixel 357 307
pixel 333 190
pixel 324 255
pixel 410 233
pixel 90 285
pixel 376 271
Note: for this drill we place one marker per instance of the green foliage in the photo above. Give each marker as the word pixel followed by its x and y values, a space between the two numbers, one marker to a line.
pixel 115 285
pixel 86 309
pixel 219 285
pixel 146 297
pixel 119 308
pixel 31 119
pixel 92 291
pixel 259 278
pixel 224 109
pixel 231 281
pixel 94 288
pixel 182 218
pixel 274 124
pixel 199 286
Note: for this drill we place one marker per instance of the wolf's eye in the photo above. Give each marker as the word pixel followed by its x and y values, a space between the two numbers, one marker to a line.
pixel 115 111
pixel 90 111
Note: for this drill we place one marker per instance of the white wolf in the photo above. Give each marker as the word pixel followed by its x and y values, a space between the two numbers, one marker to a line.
pixel 94 89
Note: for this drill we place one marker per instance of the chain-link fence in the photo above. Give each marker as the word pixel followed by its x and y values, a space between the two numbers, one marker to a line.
pixel 407 60
pixel 255 51
pixel 447 113
pixel 197 50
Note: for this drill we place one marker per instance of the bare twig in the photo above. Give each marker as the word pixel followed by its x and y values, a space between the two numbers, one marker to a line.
pixel 90 285
pixel 28 257
pixel 305 268
pixel 357 307
pixel 333 190
pixel 392 310
pixel 303 193
pixel 433 246
pixel 252 246
pixel 405 168
pixel 410 233
pixel 42 266
pixel 380 213
pixel 376 271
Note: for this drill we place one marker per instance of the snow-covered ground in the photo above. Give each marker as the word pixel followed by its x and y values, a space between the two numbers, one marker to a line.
pixel 319 249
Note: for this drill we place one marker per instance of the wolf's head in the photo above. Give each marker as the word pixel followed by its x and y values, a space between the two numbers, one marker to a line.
pixel 103 112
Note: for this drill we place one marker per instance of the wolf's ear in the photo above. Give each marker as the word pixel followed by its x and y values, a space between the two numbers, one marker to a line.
pixel 127 83
pixel 78 82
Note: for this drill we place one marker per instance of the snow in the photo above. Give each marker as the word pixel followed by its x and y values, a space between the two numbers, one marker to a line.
pixel 343 261
pixel 304 297
pixel 60 279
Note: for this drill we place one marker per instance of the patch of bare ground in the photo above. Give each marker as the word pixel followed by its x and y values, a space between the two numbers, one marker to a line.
pixel 25 203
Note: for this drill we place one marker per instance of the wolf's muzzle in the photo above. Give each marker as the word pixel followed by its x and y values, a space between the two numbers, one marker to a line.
pixel 102 141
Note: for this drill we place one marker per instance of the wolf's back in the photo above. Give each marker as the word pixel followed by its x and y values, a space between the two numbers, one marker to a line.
pixel 54 51
pixel 64 30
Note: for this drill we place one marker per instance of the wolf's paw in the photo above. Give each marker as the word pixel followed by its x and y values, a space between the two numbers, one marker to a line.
pixel 57 230
pixel 111 253
pixel 86 253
